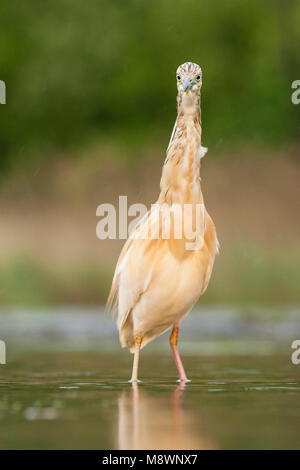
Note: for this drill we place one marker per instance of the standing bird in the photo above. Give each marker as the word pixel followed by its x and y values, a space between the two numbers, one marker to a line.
pixel 158 279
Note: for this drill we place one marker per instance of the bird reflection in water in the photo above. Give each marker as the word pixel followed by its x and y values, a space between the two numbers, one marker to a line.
pixel 146 421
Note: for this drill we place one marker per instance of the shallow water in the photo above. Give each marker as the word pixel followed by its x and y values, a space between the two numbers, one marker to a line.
pixel 82 400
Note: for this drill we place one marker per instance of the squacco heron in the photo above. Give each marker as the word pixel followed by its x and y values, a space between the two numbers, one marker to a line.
pixel 159 278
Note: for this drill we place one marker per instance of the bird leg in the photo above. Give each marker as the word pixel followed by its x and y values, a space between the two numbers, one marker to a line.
pixel 173 343
pixel 138 342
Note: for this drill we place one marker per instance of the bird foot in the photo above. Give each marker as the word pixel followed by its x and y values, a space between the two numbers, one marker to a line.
pixel 183 380
pixel 134 381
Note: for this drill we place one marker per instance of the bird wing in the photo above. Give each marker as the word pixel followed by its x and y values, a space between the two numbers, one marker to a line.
pixel 112 301
pixel 212 246
pixel 135 267
pixel 113 298
pixel 140 259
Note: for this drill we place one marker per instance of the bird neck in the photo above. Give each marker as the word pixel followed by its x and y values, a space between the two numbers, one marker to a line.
pixel 180 181
pixel 188 105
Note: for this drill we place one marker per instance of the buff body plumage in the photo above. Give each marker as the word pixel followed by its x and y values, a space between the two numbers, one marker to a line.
pixel 157 281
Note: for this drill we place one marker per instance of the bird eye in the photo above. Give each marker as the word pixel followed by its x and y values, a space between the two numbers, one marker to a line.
pixel 198 77
pixel 178 77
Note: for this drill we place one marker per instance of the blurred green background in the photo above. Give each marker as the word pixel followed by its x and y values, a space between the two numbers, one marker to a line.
pixel 90 107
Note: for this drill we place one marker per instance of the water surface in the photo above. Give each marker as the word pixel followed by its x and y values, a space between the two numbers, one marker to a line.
pixel 82 400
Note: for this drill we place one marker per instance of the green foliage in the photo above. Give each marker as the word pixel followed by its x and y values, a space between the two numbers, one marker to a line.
pixel 250 275
pixel 25 280
pixel 77 71
pixel 243 275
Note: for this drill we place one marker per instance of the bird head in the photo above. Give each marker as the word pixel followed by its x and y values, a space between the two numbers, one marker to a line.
pixel 189 79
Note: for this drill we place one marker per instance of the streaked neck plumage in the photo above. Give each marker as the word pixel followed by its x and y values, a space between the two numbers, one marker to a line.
pixel 180 181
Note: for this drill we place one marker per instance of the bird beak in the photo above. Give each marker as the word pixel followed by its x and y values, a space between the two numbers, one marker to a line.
pixel 187 83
